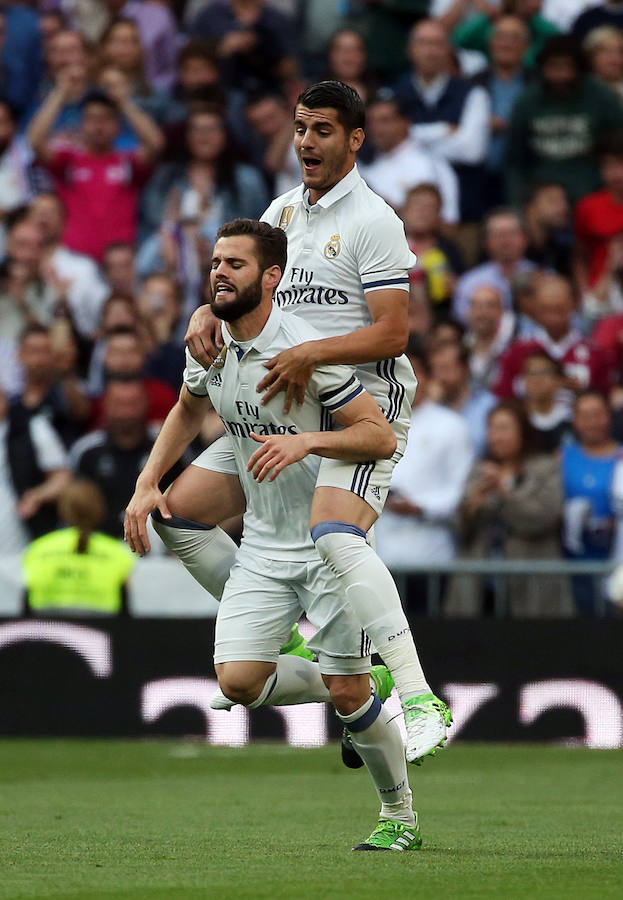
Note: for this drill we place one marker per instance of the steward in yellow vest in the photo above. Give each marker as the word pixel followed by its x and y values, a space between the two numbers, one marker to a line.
pixel 76 569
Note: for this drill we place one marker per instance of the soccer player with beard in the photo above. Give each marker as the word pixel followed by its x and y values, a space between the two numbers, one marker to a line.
pixel 347 273
pixel 277 573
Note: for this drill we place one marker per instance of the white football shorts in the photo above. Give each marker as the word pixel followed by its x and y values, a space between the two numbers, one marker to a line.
pixel 369 480
pixel 263 599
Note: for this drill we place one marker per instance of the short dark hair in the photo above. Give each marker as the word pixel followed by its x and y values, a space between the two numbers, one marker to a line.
pixel 592 392
pixel 610 143
pixel 517 410
pixel 8 106
pixel 538 353
pixel 425 187
pixel 563 45
pixel 99 98
pixel 118 245
pixel 386 97
pixel 538 186
pixel 462 352
pixel 123 331
pixel 50 195
pixel 259 96
pixel 351 112
pixel 499 212
pixel 416 350
pixel 198 48
pixel 34 328
pixel 271 244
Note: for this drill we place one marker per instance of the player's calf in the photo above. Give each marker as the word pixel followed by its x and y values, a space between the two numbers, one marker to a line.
pixel 348 692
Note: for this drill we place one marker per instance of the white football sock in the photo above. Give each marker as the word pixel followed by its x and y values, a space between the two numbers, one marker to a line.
pixel 377 740
pixel 296 680
pixel 207 553
pixel 374 599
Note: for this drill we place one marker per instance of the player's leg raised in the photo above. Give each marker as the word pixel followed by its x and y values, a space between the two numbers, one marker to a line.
pixel 340 520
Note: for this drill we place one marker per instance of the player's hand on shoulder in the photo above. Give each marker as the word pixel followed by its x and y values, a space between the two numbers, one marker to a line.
pixel 145 499
pixel 203 336
pixel 289 371
pixel 276 451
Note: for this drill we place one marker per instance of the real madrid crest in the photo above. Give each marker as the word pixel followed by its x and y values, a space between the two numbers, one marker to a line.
pixel 332 248
pixel 219 362
pixel 286 216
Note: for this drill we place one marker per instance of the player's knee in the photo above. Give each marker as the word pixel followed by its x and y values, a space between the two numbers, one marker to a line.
pixel 349 692
pixel 240 686
pixel 339 544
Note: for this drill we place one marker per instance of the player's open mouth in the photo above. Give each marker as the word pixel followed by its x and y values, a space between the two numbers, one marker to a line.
pixel 224 288
pixel 311 163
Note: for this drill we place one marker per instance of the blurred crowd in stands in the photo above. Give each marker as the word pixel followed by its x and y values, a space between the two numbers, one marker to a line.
pixel 130 131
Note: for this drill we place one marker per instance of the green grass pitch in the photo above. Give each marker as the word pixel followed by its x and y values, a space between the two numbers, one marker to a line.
pixel 166 820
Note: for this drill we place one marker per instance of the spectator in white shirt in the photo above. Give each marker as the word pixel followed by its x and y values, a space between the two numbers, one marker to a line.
pixel 506 244
pixel 450 115
pixel 74 276
pixel 491 329
pixel 401 163
pixel 427 483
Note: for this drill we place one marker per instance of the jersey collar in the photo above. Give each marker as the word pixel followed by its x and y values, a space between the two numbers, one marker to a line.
pixel 339 190
pixel 266 336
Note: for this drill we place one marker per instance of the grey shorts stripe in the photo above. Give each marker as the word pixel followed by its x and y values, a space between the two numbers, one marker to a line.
pixel 365 645
pixel 386 369
pixel 361 478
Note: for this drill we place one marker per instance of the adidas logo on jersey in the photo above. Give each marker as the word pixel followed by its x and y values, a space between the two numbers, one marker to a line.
pixel 216 380
pixel 376 491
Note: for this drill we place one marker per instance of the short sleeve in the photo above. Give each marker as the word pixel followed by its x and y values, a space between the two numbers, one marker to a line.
pixel 195 377
pixel 581 223
pixel 48 446
pixel 383 255
pixel 335 386
pixel 59 161
pixel 272 214
pixel 141 170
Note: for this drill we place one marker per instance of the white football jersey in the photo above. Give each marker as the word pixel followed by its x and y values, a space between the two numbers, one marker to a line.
pixel 346 245
pixel 276 523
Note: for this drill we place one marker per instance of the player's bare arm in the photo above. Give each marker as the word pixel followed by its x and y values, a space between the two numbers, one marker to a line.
pixel 180 427
pixel 203 336
pixel 366 435
pixel 291 370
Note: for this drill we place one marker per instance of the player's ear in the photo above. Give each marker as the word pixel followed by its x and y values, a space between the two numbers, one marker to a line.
pixel 357 137
pixel 272 277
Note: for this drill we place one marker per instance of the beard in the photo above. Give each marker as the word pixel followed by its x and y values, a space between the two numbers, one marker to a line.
pixel 247 299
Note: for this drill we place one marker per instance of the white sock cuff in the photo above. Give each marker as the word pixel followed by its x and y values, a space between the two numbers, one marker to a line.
pixel 269 686
pixel 206 551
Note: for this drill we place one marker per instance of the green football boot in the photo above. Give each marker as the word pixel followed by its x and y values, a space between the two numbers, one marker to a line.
pixel 297 646
pixel 382 684
pixel 426 718
pixel 392 835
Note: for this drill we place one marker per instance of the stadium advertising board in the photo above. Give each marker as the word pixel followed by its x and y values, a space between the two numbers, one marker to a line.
pixel 505 681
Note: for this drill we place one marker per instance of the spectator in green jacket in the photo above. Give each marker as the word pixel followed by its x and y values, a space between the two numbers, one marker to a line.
pixel 556 124
pixel 385 26
pixel 475 33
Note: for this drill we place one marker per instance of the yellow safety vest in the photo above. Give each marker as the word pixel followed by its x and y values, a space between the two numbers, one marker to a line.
pixel 59 577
